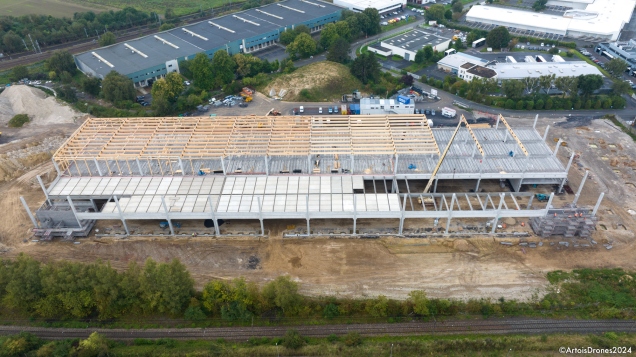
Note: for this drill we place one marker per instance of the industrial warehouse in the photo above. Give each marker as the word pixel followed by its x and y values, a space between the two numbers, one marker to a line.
pixel 152 57
pixel 298 168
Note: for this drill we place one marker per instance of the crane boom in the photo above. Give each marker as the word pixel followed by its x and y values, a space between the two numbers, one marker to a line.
pixel 441 158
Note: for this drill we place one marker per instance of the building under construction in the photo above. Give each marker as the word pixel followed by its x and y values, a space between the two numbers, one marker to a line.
pixel 292 167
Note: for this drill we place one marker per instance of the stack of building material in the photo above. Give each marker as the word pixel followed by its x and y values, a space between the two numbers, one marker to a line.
pixel 568 223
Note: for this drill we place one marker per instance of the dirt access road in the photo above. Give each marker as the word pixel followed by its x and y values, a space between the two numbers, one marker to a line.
pixel 456 268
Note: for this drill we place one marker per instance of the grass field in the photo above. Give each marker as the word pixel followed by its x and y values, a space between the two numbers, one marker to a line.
pixel 181 7
pixel 57 8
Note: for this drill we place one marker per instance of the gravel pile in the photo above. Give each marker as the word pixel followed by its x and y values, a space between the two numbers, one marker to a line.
pixel 42 110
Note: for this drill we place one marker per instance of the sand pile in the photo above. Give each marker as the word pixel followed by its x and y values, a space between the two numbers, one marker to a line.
pixel 42 110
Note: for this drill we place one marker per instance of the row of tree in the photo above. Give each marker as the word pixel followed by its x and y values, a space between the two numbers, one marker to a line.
pixel 49 30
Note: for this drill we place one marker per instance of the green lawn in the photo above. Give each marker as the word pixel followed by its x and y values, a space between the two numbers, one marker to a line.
pixel 181 7
pixel 401 23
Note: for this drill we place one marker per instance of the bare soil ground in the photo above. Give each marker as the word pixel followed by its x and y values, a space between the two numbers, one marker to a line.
pixel 458 268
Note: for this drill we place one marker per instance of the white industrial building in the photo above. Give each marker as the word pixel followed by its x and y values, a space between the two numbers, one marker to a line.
pixel 536 69
pixel 381 5
pixel 600 19
pixel 369 106
pixel 453 62
pixel 407 44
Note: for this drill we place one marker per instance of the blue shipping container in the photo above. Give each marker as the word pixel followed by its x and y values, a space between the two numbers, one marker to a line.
pixel 354 108
pixel 403 99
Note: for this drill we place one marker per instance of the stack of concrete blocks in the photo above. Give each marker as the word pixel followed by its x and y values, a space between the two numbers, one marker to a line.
pixel 567 223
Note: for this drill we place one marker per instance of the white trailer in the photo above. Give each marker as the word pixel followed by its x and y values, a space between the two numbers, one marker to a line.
pixel 449 112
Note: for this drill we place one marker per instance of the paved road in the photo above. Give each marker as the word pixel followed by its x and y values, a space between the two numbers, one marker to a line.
pixel 490 326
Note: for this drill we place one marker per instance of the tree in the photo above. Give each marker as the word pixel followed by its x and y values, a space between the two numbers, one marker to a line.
pixel 419 56
pixel 428 52
pixel 589 83
pixel 25 287
pixel 458 6
pixel 448 14
pixel 531 84
pixel 222 68
pixel 539 5
pixel 283 293
pixel 512 88
pixel 303 45
pixel 91 85
pixel 420 302
pixel 546 82
pixel 616 66
pixel 407 79
pixel 620 87
pixel 61 61
pixel 246 65
pixel 539 104
pixel 435 13
pixel 459 45
pixel 107 39
pixel 329 35
pixel 18 73
pixel 67 93
pixel 378 307
pixel 169 14
pixel 568 85
pixel 117 87
pixel 373 21
pixel 339 51
pixel 166 288
pixel 12 42
pixel 201 70
pixel 94 345
pixel 366 67
pixel 343 30
pixel 471 37
pixel 498 38
pixel 293 340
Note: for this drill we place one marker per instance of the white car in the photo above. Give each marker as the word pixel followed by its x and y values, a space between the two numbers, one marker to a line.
pixel 301 109
pixel 319 110
pixel 187 83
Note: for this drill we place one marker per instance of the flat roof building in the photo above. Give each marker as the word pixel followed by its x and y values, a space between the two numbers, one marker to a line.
pixel 407 44
pixel 151 57
pixel 381 5
pixel 601 19
pixel 370 106
pixel 454 62
pixel 623 50
pixel 536 69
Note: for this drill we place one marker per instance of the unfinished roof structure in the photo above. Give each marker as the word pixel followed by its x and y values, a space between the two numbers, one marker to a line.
pixel 289 167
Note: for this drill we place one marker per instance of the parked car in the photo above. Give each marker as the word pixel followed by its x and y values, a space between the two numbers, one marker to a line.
pixel 141 98
pixel 243 105
pixel 301 109
pixel 335 109
pixel 144 104
pixel 319 110
pixel 330 110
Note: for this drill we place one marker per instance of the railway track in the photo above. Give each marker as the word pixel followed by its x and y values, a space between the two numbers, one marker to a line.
pixel 501 326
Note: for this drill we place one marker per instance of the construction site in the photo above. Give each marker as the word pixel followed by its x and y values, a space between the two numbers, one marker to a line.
pixel 320 175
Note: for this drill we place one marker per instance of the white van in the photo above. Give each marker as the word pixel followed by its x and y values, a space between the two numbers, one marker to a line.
pixel 301 109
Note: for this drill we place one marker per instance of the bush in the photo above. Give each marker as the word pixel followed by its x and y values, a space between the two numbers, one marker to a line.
pixel 519 105
pixel 588 104
pixel 333 338
pixel 194 313
pixel 607 103
pixel 352 339
pixel 18 120
pixel 597 104
pixel 618 102
pixel 539 104
pixel 488 100
pixel 577 105
pixel 510 104
pixel 293 340
pixel 567 105
pixel 331 311
pixel 529 105
pixel 548 104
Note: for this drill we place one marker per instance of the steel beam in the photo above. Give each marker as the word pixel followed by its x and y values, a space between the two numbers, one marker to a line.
pixel 165 208
pixel 99 170
pixel 578 192
pixel 121 215
pixel 46 193
pixel 214 221
pixel 260 213
pixel 70 202
pixel 545 134
pixel 598 204
pixel 567 169
pixel 57 168
pixel 534 125
pixel 28 211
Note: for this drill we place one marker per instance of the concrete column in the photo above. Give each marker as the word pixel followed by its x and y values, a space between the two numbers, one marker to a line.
pixel 216 224
pixel 181 167
pixel 545 135
pixel 402 216
pixel 497 124
pixel 549 204
pixel 477 186
pixel 307 213
pixel 309 167
pixel 266 165
pixel 598 204
pixel 355 214
pixel 567 169
pixel 496 220
pixel 534 125
pixel 46 193
pixel 530 201
pixel 99 170
pixel 26 207
pixel 121 215
pixel 223 166
pixel 57 168
pixel 141 172
pixel 165 208
pixel 450 213
pixel 435 186
pixel 70 202
pixel 94 205
pixel 352 164
pixel 260 215
pixel 578 192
